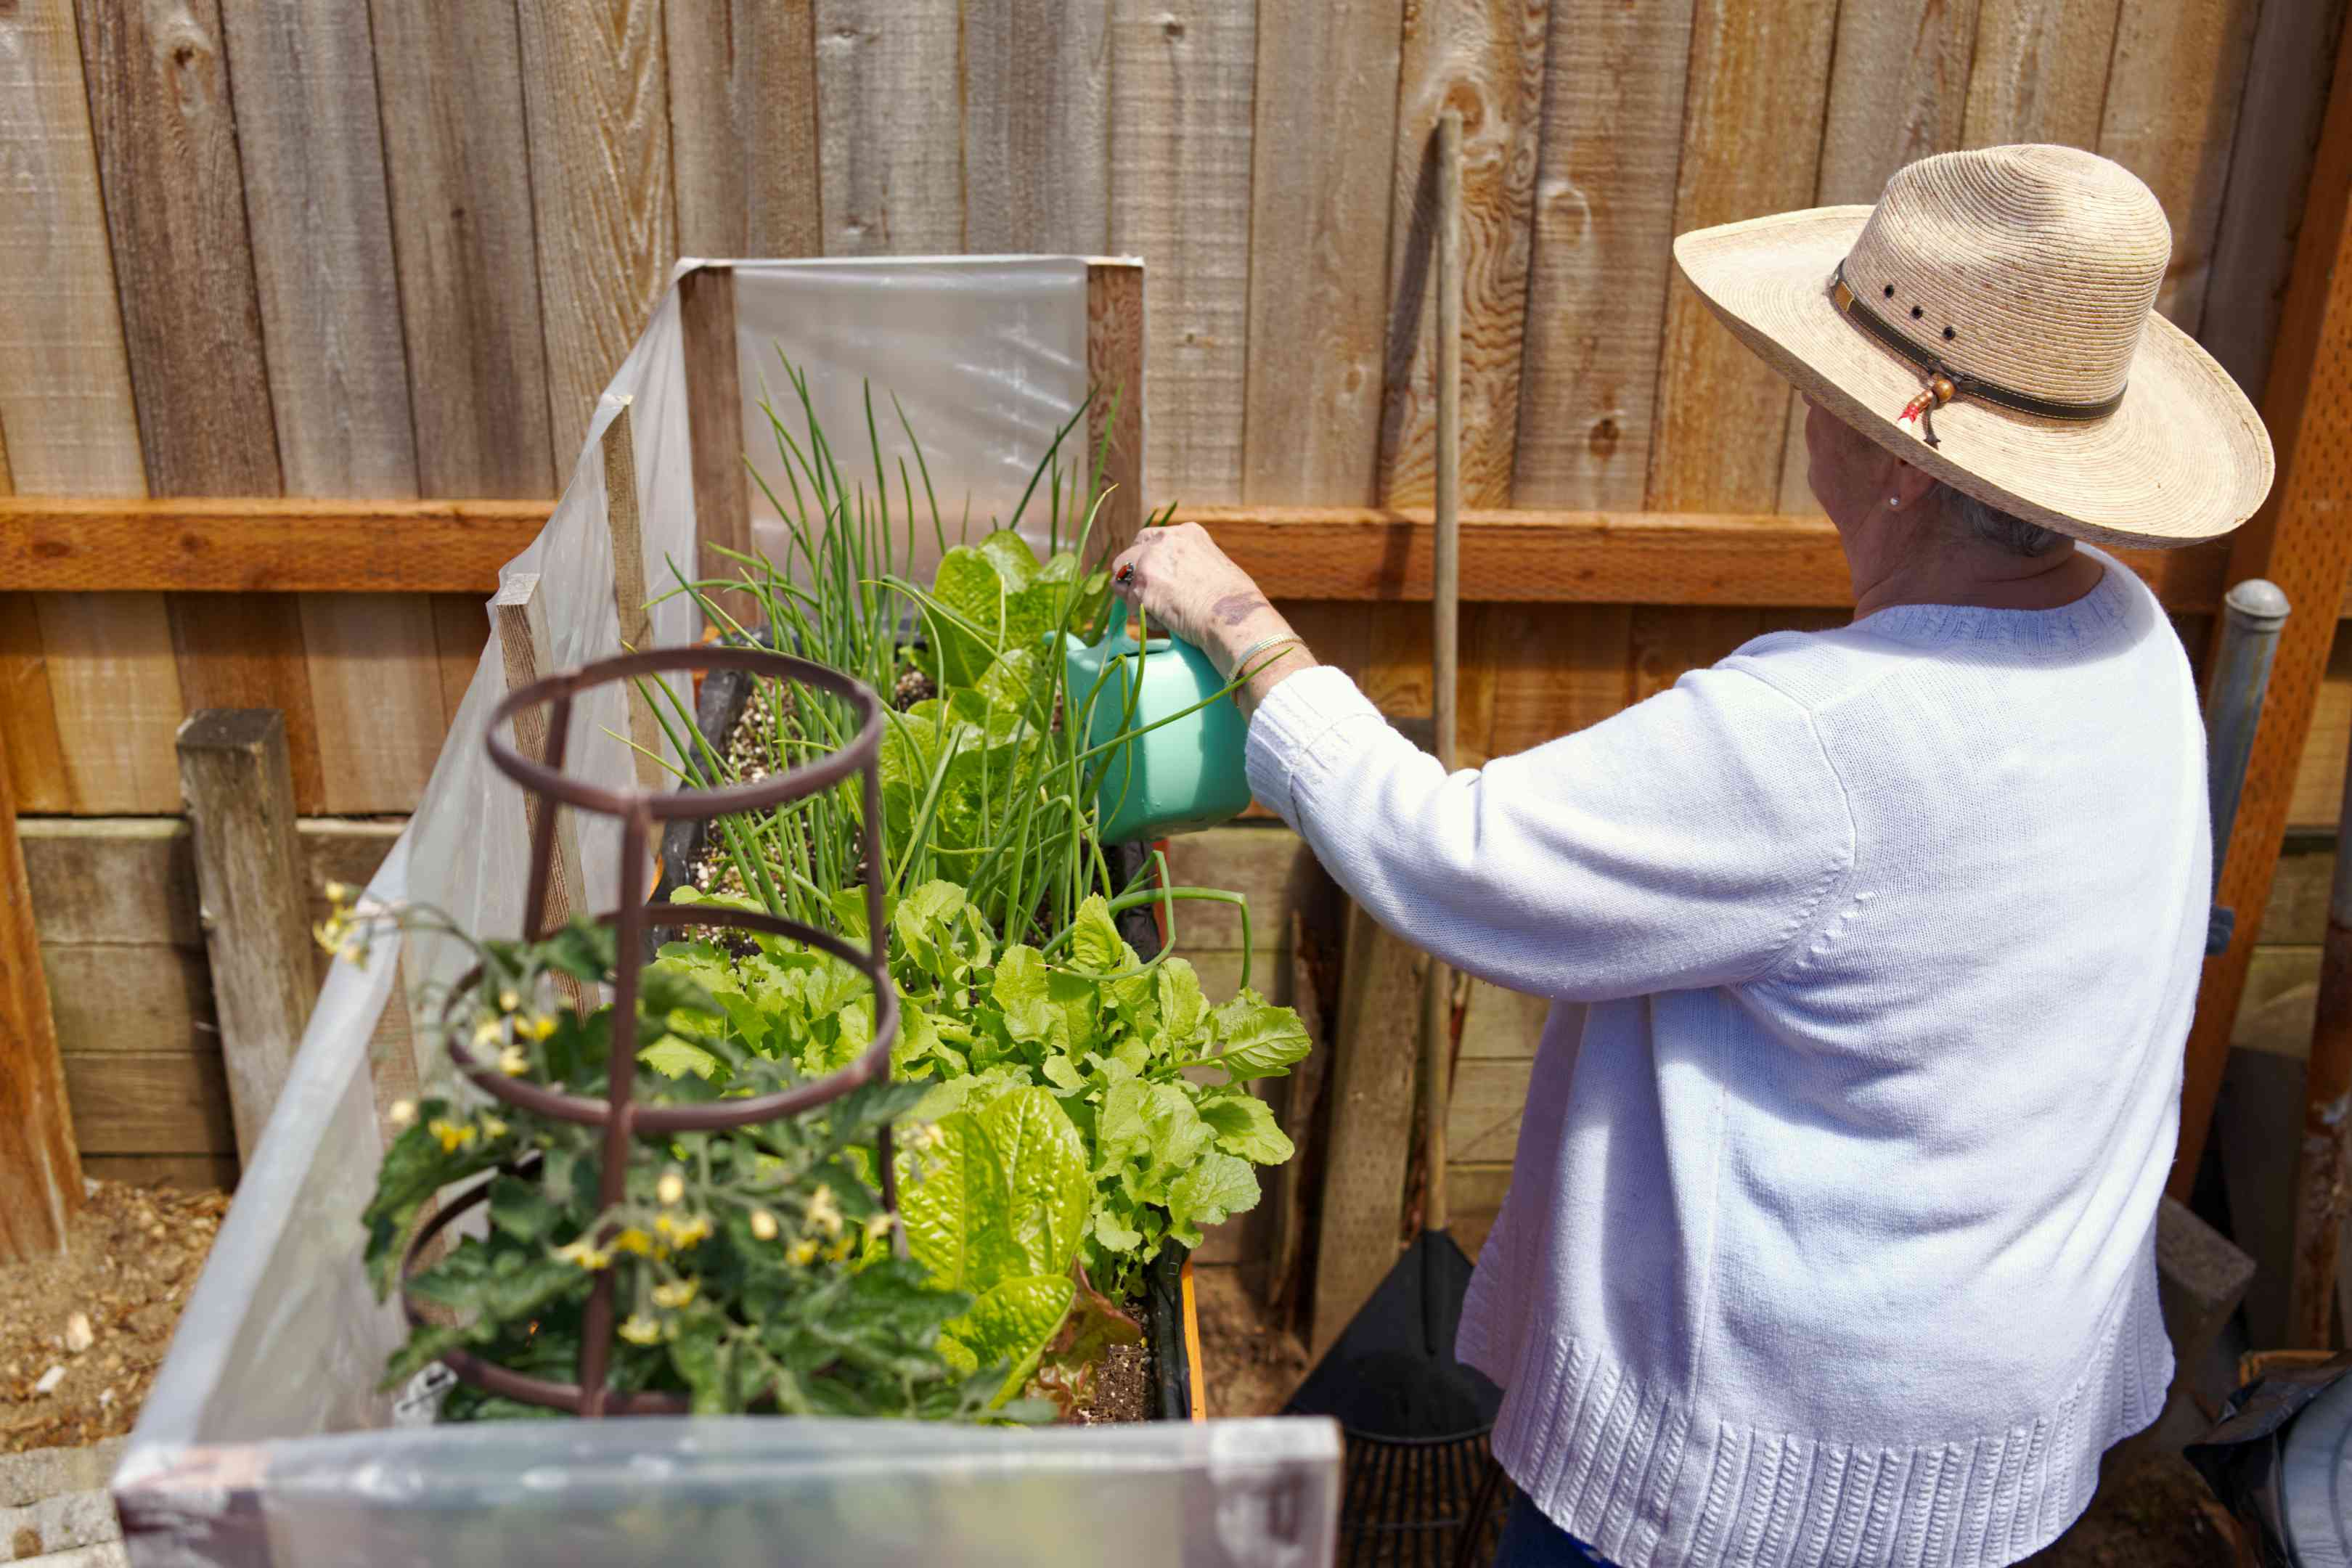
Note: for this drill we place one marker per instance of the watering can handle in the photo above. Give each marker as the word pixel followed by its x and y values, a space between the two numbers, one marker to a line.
pixel 1116 628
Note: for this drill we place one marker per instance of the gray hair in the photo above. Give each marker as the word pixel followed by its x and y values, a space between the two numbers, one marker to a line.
pixel 1987 523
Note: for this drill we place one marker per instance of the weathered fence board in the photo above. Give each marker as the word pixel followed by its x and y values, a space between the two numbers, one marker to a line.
pixel 1182 80
pixel 1036 127
pixel 65 379
pixel 1320 223
pixel 1604 215
pixel 891 153
pixel 743 127
pixel 1756 68
pixel 2170 115
pixel 2040 71
pixel 596 95
pixel 450 75
pixel 1485 59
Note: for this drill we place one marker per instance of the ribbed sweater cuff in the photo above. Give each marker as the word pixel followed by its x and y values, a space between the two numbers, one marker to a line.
pixel 1295 731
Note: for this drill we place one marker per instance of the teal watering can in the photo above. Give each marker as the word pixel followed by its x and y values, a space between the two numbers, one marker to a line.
pixel 1183 776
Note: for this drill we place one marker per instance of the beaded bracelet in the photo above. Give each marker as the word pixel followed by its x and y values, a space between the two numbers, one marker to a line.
pixel 1241 665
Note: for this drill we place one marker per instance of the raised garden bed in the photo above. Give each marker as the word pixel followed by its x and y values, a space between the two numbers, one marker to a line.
pixel 272 1435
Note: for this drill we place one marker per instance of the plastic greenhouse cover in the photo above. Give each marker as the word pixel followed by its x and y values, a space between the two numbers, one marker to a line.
pixel 265 1438
pixel 986 356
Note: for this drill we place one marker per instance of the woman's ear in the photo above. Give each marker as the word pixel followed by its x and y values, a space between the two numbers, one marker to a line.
pixel 1908 486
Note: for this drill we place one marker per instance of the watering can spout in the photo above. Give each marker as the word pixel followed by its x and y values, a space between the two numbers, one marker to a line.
pixel 1167 737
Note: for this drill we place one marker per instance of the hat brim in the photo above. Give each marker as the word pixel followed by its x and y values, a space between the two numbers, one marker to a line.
pixel 2185 457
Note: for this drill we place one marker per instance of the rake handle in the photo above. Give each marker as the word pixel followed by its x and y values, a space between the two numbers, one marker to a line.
pixel 1445 644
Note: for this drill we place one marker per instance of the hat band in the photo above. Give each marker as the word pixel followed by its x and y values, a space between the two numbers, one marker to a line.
pixel 1953 381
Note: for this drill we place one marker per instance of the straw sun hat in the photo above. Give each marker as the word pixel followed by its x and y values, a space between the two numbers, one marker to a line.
pixel 1989 322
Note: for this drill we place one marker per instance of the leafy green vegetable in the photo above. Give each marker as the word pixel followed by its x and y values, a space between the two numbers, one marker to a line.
pixel 1152 1080
pixel 995 1207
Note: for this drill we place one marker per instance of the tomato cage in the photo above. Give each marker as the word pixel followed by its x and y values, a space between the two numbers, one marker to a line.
pixel 618 1113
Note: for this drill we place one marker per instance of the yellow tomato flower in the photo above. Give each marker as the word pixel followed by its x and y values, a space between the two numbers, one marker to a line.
pixel 538 1026
pixel 632 1239
pixel 823 1212
pixel 877 1226
pixel 670 1189
pixel 453 1136
pixel 682 1232
pixel 513 1062
pixel 804 1251
pixel 640 1330
pixel 764 1226
pixel 340 894
pixel 403 1115
pixel 487 1033
pixel 585 1255
pixel 331 932
pixel 673 1295
pixel 493 1128
pixel 840 1249
pixel 508 1001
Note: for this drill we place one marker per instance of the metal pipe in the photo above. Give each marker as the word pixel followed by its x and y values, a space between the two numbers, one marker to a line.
pixel 2251 615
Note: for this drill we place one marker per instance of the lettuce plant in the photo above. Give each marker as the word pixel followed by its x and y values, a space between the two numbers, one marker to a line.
pixel 996 1203
pixel 1153 1079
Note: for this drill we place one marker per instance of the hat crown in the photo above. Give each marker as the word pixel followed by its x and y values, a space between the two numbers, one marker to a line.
pixel 2030 268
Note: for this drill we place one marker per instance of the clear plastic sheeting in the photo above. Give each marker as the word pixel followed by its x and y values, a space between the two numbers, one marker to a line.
pixel 266 1438
pixel 743 1490
pixel 985 355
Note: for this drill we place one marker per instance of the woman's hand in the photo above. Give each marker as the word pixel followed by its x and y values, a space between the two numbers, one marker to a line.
pixel 1182 582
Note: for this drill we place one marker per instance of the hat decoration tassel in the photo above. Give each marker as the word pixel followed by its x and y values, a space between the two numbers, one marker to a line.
pixel 1934 395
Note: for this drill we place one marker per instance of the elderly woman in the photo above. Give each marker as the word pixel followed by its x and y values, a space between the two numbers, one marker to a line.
pixel 1829 1238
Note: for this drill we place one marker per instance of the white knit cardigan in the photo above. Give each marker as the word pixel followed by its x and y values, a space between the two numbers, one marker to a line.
pixel 1830 1235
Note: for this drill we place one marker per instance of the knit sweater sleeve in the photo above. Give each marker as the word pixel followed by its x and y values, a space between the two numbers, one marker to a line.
pixel 1688 841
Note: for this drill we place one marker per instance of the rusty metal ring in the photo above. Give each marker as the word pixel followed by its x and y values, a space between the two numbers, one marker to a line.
pixel 776 789
pixel 489 1375
pixel 654 1119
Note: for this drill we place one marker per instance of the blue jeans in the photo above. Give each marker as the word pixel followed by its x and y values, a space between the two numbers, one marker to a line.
pixel 1531 1540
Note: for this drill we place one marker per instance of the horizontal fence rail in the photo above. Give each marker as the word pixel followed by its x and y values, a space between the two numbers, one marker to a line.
pixel 1349 554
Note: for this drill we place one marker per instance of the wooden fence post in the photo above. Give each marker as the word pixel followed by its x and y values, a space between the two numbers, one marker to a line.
pixel 714 421
pixel 1115 370
pixel 2299 541
pixel 1372 1076
pixel 626 532
pixel 523 648
pixel 40 1174
pixel 237 781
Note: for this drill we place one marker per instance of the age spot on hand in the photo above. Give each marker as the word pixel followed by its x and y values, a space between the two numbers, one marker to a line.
pixel 1234 608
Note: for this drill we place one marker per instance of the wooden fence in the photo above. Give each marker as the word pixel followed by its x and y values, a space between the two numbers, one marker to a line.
pixel 394 249
pixel 390 252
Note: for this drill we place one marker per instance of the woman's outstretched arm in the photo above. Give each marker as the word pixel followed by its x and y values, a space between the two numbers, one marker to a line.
pixel 1691 840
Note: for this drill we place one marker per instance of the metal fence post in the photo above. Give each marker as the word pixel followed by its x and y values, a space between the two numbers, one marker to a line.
pixel 2252 615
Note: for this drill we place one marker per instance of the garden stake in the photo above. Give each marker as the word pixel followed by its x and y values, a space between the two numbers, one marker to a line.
pixel 546 788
